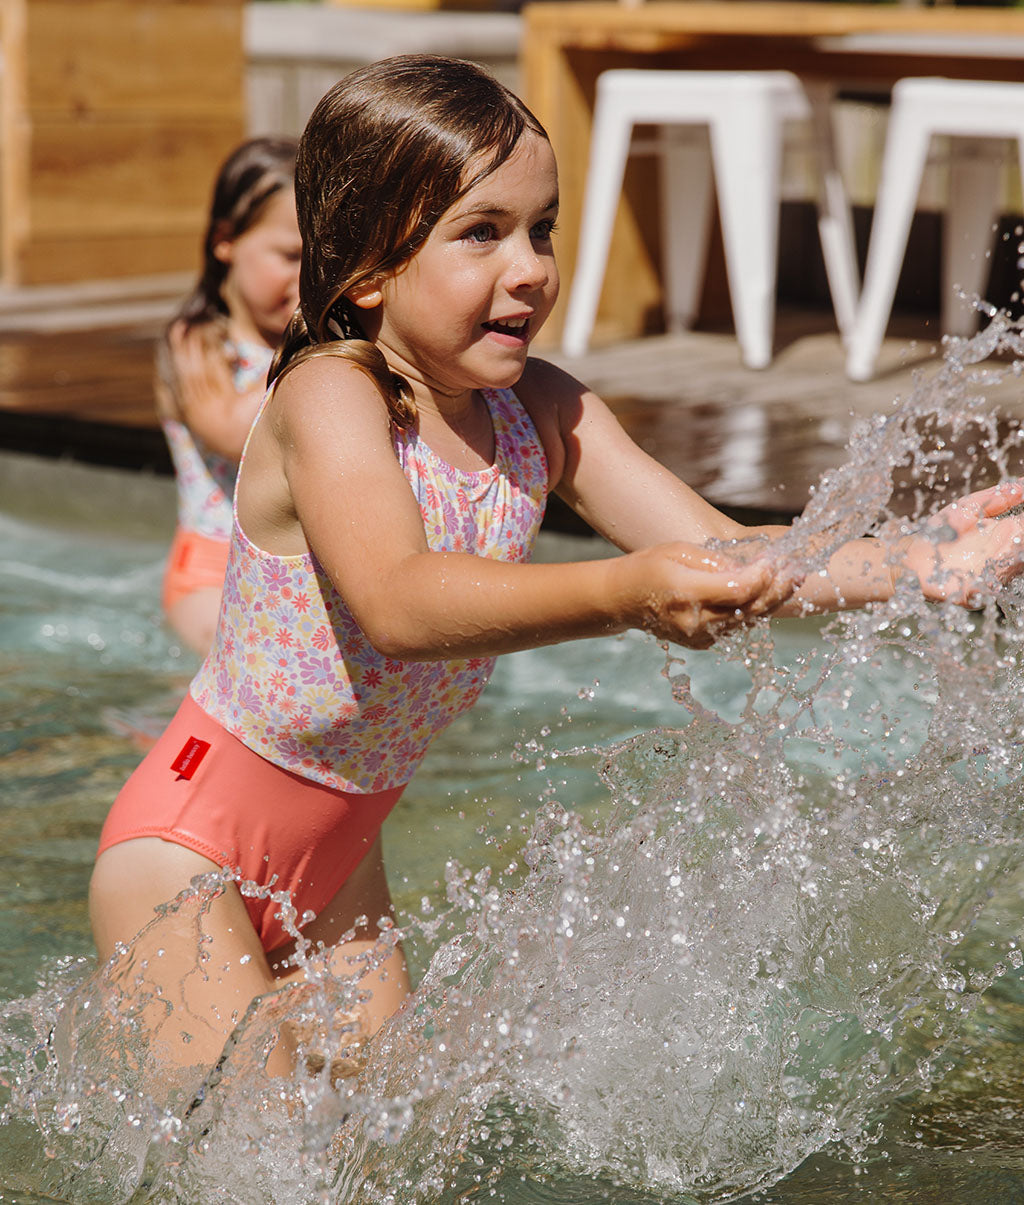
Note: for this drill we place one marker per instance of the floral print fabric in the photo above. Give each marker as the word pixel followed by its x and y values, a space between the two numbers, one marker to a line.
pixel 205 480
pixel 292 675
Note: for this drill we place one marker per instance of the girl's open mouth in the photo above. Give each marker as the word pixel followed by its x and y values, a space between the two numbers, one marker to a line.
pixel 514 328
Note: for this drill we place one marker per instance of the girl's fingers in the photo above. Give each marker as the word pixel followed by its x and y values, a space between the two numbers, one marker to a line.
pixel 963 570
pixel 762 586
pixel 755 589
pixel 709 593
pixel 706 560
pixel 966 512
pixel 1000 498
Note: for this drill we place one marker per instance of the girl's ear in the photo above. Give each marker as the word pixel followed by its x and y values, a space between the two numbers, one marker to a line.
pixel 223 243
pixel 366 296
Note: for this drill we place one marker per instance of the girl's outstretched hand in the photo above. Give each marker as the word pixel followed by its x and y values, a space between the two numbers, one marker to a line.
pixel 966 548
pixel 696 595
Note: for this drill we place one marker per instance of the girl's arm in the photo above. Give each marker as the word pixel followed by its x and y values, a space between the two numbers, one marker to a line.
pixel 623 493
pixel 321 473
pixel 957 555
pixel 217 413
pixel 634 501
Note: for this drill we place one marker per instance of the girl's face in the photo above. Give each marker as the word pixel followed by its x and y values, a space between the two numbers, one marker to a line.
pixel 261 289
pixel 461 313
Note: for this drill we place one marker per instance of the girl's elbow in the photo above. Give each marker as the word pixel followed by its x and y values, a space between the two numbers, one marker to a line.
pixel 390 644
pixel 400 641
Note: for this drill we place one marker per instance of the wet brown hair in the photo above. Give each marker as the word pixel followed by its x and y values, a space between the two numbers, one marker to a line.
pixel 254 172
pixel 384 154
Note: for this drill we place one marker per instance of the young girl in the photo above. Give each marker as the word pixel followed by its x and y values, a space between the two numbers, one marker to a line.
pixel 212 367
pixel 391 490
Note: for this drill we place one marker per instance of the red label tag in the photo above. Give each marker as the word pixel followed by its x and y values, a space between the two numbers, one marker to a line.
pixel 192 753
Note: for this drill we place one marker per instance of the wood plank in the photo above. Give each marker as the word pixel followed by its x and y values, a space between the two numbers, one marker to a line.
pixel 60 260
pixel 14 134
pixel 98 376
pixel 115 57
pixel 418 5
pixel 116 116
pixel 657 26
pixel 141 177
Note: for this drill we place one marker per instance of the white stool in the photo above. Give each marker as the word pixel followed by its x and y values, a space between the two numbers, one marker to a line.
pixel 744 114
pixel 973 113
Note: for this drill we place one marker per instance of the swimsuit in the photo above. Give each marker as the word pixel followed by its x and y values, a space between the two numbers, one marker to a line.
pixel 299 710
pixel 195 562
pixel 201 788
pixel 205 482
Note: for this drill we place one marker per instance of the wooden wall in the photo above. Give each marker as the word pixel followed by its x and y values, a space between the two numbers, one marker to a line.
pixel 114 117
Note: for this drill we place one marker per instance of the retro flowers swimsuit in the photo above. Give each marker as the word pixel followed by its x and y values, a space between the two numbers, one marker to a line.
pixel 298 737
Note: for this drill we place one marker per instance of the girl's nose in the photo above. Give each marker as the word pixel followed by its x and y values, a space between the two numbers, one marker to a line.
pixel 528 269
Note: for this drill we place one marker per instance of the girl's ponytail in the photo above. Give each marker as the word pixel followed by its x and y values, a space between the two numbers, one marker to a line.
pixel 298 345
pixel 296 336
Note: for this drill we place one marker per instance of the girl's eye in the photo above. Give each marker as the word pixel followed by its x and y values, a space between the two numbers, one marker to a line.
pixel 543 230
pixel 481 234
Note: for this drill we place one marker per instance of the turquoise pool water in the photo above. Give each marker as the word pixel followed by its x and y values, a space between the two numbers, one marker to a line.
pixel 739 925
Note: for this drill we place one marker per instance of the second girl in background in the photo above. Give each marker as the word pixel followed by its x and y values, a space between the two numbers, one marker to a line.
pixel 212 363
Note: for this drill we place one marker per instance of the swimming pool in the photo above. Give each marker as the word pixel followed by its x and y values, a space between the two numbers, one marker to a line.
pixel 686 927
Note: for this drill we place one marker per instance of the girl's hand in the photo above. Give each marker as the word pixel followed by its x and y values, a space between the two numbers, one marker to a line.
pixel 211 407
pixel 984 549
pixel 204 377
pixel 694 595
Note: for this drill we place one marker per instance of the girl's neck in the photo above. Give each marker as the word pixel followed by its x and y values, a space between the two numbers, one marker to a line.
pixel 430 396
pixel 448 408
pixel 241 329
pixel 456 424
pixel 459 430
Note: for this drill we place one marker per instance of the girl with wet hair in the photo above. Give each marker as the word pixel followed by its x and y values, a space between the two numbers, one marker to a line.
pixel 212 365
pixel 389 496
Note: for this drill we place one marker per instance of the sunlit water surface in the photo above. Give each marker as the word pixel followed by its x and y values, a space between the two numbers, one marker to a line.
pixel 735 925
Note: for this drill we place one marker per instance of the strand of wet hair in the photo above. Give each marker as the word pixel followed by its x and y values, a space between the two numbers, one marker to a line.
pixel 299 345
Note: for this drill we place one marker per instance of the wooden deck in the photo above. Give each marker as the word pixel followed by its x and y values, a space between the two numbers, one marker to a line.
pixel 82 394
pixel 749 441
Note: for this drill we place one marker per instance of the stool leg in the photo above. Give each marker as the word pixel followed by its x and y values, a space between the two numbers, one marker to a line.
pixel 608 152
pixel 967 233
pixel 746 145
pixel 686 221
pixel 1019 263
pixel 1020 244
pixel 906 149
pixel 835 222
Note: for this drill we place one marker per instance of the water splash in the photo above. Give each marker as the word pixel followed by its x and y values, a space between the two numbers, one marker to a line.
pixel 782 927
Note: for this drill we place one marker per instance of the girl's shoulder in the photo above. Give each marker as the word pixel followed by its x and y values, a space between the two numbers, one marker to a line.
pixel 325 375
pixel 550 396
pixel 326 393
pixel 548 392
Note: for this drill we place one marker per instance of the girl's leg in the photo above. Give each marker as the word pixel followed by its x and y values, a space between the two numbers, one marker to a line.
pixel 359 904
pixel 192 587
pixel 191 1009
pixel 198 977
pixel 194 618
